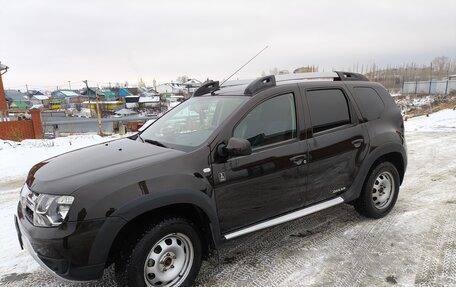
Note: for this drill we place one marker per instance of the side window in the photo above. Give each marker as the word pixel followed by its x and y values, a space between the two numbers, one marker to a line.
pixel 328 109
pixel 370 102
pixel 270 122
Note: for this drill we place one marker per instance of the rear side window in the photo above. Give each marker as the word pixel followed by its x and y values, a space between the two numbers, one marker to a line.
pixel 328 109
pixel 370 102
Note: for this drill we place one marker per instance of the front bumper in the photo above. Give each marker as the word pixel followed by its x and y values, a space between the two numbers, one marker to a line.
pixel 63 251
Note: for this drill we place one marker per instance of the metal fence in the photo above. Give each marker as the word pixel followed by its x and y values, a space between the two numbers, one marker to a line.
pixel 58 124
pixel 427 87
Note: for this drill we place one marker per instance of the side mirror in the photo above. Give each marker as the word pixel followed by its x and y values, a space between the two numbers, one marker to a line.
pixel 235 147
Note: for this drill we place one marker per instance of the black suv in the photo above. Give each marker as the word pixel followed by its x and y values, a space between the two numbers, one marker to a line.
pixel 233 159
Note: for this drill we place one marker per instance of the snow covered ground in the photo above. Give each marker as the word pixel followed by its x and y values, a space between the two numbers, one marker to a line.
pixel 444 120
pixel 415 245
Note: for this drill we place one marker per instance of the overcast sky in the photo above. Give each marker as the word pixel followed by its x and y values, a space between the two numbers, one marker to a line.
pixel 47 43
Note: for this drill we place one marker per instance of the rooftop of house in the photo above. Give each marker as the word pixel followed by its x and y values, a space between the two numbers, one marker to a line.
pixel 34 93
pixel 40 97
pixel 15 95
pixel 19 104
pixel 64 94
pixel 107 93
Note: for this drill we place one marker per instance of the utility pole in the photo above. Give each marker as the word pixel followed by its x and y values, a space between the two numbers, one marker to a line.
pixel 430 85
pixel 448 78
pixel 88 97
pixel 3 103
pixel 100 127
pixel 69 84
pixel 430 80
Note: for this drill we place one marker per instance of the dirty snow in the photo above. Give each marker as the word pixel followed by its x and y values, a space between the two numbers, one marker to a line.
pixel 414 245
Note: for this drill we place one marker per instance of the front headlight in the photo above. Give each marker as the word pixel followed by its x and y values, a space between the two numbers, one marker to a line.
pixel 51 210
pixel 24 193
pixel 45 210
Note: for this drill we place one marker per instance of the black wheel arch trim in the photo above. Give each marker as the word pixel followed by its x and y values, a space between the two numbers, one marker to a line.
pixel 113 225
pixel 355 190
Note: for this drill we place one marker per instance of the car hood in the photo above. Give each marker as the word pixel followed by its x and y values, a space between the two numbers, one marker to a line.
pixel 67 172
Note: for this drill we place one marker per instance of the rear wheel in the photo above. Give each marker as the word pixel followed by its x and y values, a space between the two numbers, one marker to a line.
pixel 166 254
pixel 380 191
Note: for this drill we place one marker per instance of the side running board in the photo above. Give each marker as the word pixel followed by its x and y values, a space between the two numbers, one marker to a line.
pixel 285 218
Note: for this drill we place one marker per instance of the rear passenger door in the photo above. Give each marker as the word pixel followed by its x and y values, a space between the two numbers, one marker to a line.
pixel 337 144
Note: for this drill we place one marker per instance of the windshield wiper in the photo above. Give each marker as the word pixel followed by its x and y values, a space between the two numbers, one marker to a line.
pixel 157 143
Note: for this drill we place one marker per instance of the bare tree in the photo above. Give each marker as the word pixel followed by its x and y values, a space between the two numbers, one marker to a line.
pixel 274 71
pixel 441 63
pixel 307 69
pixel 182 79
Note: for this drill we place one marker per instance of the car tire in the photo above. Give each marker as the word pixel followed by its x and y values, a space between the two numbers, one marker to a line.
pixel 380 191
pixel 168 253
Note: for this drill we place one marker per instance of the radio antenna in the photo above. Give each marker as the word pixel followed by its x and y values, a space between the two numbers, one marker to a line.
pixel 244 65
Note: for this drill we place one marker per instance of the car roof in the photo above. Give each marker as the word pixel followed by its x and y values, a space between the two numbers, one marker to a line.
pixel 250 87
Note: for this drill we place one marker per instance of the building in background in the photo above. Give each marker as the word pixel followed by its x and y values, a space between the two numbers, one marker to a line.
pixel 18 102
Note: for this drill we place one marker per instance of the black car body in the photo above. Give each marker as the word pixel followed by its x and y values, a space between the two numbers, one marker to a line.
pixel 341 128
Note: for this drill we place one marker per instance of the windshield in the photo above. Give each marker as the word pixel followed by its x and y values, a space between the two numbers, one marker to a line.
pixel 190 124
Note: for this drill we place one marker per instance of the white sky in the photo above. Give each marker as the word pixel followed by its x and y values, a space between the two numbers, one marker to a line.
pixel 50 42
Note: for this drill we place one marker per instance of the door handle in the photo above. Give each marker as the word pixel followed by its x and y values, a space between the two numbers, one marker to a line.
pixel 357 143
pixel 299 159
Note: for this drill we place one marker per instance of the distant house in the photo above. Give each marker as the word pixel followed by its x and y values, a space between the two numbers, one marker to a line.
pixel 39 100
pixel 90 93
pixel 122 93
pixel 64 94
pixel 193 83
pixel 191 86
pixel 150 90
pixel 31 93
pixel 107 95
pixel 18 107
pixel 131 101
pixel 183 89
pixel 107 99
pixel 64 98
pixel 149 101
pixel 141 97
pixel 170 88
pixel 14 96
pixel 134 91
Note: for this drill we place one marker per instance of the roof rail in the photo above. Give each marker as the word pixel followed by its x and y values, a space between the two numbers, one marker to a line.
pixel 260 84
pixel 207 88
pixel 270 81
pixel 266 82
pixel 348 76
pixel 306 76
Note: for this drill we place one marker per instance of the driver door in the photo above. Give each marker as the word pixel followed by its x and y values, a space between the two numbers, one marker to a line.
pixel 264 184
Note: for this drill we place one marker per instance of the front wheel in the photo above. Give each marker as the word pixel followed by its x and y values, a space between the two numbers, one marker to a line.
pixel 380 191
pixel 167 254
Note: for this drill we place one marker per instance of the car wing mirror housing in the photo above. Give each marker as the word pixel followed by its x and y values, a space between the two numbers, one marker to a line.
pixel 235 147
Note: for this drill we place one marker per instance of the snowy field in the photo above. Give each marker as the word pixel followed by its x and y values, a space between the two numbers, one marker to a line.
pixel 413 246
